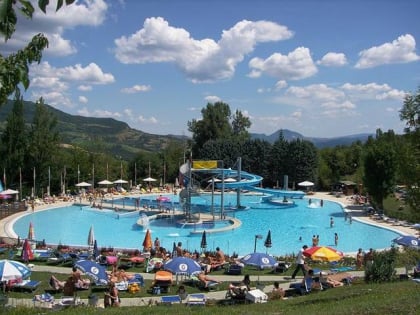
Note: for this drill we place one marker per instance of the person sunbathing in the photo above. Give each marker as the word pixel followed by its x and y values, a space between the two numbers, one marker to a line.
pixel 277 292
pixel 206 280
pixel 56 284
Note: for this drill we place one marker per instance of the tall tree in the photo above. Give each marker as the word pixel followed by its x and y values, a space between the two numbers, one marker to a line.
pixel 44 141
pixel 14 143
pixel 380 166
pixel 215 124
pixel 240 126
pixel 410 157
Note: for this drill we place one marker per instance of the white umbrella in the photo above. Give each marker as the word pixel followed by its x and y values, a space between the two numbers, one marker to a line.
pixel 230 180
pixel 105 182
pixel 120 181
pixel 149 179
pixel 306 184
pixel 9 192
pixel 10 270
pixel 83 184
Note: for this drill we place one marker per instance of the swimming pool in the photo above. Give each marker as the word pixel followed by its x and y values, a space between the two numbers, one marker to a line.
pixel 70 225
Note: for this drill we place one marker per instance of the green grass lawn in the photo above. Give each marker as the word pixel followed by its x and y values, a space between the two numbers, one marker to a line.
pixel 400 297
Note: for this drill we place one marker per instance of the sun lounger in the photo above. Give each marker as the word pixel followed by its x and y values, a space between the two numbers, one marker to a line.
pixel 43 300
pixel 26 285
pixel 196 299
pixel 170 299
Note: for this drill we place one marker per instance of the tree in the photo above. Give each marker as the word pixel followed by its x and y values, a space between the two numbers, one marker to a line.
pixel 410 155
pixel 380 165
pixel 240 126
pixel 44 141
pixel 14 143
pixel 215 124
pixel 14 69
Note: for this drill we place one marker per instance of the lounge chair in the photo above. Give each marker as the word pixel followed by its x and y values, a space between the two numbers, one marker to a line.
pixel 43 300
pixel 26 285
pixel 234 269
pixel 196 299
pixel 170 299
pixel 162 282
pixel 236 293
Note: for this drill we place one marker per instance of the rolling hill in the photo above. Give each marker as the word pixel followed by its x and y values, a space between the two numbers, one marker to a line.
pixel 119 139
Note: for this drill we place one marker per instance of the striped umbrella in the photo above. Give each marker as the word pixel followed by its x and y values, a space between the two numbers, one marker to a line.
pixel 11 270
pixel 27 253
pixel 91 236
pixel 31 233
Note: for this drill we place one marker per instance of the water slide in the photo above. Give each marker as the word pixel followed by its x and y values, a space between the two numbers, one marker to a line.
pixel 248 182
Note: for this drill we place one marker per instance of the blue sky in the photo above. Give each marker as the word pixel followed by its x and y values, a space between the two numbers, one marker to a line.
pixel 321 68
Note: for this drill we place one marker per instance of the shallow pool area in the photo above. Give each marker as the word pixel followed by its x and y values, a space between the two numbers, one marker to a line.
pixel 290 227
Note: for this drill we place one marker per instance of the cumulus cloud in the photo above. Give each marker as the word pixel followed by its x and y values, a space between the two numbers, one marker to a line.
pixel 54 24
pixel 297 65
pixel 136 89
pixel 202 60
pixel 51 81
pixel 83 99
pixel 372 91
pixel 333 59
pixel 280 85
pixel 401 50
pixel 99 113
pixel 212 99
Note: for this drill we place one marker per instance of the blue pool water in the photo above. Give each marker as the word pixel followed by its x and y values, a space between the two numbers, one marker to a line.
pixel 70 225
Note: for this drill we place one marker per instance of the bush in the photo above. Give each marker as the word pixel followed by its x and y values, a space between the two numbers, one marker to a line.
pixel 382 269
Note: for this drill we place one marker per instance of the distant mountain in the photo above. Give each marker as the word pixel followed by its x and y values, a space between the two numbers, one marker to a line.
pixel 103 134
pixel 318 142
pixel 117 138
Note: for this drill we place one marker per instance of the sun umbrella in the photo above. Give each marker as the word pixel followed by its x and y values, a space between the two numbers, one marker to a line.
pixel 9 192
pixel 306 184
pixel 147 242
pixel 149 179
pixel 120 181
pixel 259 260
pixel 267 242
pixel 105 182
pixel 93 270
pixel 27 253
pixel 203 243
pixel 31 233
pixel 323 253
pixel 407 240
pixel 83 184
pixel 91 236
pixel 10 270
pixel 182 265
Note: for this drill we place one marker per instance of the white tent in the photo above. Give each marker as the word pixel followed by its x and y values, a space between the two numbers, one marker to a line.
pixel 83 184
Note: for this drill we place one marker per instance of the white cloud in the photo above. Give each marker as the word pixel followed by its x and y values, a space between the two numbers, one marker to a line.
pixel 297 65
pixel 136 89
pixel 83 99
pixel 54 24
pixel 84 87
pixel 401 50
pixel 372 91
pixel 202 60
pixel 144 120
pixel 99 113
pixel 212 99
pixel 91 74
pixel 333 59
pixel 280 85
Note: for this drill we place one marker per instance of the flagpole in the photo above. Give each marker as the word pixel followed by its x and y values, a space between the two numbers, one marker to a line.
pixel 93 177
pixel 78 174
pixel 20 182
pixel 34 183
pixel 49 181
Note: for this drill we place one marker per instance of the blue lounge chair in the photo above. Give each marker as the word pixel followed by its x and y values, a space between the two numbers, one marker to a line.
pixel 26 285
pixel 196 299
pixel 170 299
